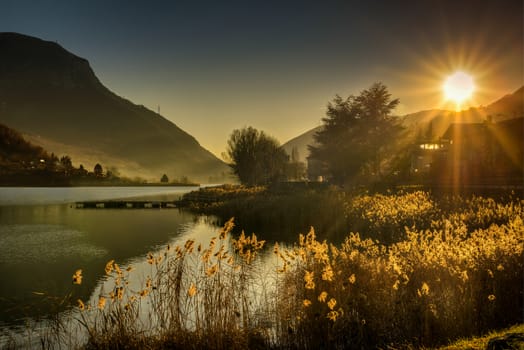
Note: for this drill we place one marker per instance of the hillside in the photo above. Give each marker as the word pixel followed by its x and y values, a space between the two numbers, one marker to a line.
pixel 55 98
pixel 16 151
pixel 301 143
pixel 24 164
pixel 507 107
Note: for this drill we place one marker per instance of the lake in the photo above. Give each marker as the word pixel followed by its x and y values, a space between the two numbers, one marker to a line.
pixel 44 239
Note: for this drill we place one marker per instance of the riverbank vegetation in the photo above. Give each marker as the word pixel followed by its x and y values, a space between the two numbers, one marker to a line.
pixel 451 268
pixel 277 212
pixel 256 158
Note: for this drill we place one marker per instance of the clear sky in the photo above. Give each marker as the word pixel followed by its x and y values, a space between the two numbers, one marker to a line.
pixel 216 65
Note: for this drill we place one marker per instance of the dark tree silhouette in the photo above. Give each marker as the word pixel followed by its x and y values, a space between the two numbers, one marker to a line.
pixel 255 157
pixel 164 179
pixel 66 164
pixel 356 132
pixel 81 170
pixel 98 170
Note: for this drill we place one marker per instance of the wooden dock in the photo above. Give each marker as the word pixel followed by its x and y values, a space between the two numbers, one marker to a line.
pixel 126 205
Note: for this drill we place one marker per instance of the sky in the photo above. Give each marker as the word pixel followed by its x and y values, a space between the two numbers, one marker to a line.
pixel 213 66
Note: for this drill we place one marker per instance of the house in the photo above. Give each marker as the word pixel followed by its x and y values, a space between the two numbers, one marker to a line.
pixel 481 153
pixel 426 153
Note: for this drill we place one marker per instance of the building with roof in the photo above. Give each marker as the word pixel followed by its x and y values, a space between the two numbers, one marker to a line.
pixel 480 153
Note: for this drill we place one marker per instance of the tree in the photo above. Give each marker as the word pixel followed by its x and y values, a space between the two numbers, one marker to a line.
pixel 81 170
pixel 164 179
pixel 355 134
pixel 51 163
pixel 66 165
pixel 98 170
pixel 255 157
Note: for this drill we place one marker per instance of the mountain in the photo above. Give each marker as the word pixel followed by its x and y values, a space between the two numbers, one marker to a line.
pixel 301 143
pixel 56 100
pixel 508 107
pixel 435 121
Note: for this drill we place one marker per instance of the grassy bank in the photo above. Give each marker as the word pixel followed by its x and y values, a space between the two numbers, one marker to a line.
pixel 481 342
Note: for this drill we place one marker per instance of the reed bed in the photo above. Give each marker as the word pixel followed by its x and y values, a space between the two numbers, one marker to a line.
pixel 453 269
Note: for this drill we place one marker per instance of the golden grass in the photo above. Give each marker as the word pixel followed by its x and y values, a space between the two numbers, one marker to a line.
pixel 480 343
pixel 455 270
pixel 436 285
pixel 194 297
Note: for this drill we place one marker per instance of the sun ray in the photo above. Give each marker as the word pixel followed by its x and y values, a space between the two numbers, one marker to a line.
pixel 458 87
pixel 434 61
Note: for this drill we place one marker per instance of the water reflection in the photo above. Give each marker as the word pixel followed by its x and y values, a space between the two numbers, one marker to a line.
pixel 42 245
pixel 201 230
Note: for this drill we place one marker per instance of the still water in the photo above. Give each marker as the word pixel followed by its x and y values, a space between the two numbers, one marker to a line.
pixel 44 239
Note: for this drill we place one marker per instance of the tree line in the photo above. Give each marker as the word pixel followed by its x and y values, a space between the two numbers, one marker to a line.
pixel 353 144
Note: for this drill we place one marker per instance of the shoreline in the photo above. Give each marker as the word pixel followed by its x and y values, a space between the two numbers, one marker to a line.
pixel 99 185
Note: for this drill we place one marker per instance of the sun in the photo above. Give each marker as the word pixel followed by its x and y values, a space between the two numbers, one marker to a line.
pixel 458 87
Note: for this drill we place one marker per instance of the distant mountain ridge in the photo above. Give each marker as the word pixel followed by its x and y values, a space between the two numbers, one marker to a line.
pixel 508 107
pixel 55 98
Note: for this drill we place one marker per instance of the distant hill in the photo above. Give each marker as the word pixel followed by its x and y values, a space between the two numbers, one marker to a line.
pixel 435 121
pixel 15 150
pixel 508 107
pixel 24 164
pixel 54 98
pixel 301 143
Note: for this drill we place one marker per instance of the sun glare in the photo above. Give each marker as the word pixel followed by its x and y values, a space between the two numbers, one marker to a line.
pixel 458 87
